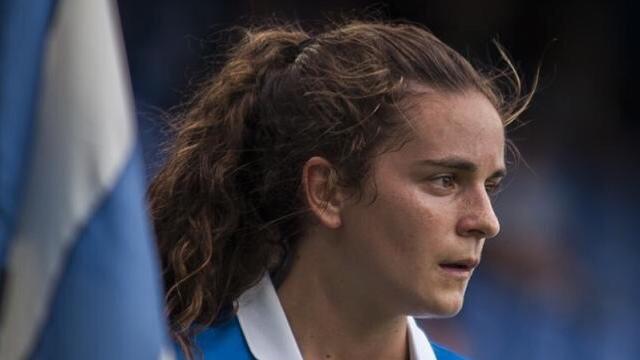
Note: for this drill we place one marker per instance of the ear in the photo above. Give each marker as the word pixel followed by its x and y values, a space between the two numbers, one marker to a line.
pixel 324 198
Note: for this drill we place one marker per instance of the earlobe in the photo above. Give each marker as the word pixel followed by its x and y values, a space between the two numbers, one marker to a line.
pixel 321 191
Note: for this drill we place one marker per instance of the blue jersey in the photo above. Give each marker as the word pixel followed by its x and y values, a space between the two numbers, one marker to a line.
pixel 226 341
pixel 260 330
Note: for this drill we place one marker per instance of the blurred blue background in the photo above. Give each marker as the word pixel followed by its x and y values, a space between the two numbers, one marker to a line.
pixel 561 281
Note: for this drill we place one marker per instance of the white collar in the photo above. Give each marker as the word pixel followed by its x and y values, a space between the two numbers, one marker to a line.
pixel 269 336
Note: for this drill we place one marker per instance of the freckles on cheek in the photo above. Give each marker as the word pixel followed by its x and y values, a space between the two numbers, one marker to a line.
pixel 428 228
pixel 412 223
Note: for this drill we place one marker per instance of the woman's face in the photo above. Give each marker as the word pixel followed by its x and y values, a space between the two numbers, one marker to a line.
pixel 414 248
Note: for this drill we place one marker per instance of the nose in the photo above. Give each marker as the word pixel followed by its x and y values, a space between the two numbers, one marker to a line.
pixel 477 216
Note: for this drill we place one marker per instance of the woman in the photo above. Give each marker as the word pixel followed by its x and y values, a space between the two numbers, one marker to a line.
pixel 324 190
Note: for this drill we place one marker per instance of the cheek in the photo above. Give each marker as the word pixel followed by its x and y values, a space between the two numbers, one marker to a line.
pixel 412 225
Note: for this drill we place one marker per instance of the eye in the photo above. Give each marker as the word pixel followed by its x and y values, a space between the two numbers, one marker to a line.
pixel 445 181
pixel 493 188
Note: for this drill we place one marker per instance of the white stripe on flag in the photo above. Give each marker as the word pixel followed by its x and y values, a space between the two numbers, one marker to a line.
pixel 84 137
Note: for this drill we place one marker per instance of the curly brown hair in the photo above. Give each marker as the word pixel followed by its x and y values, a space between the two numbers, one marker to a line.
pixel 226 205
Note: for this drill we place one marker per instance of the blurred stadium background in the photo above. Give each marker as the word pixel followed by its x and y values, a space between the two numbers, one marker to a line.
pixel 562 279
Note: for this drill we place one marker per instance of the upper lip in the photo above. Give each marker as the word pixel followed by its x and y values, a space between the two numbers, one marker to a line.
pixel 469 263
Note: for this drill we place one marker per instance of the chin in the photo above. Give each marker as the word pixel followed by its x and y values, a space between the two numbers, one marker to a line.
pixel 443 306
pixel 450 311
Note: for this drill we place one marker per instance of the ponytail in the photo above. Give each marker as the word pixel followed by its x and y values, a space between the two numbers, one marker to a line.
pixel 199 211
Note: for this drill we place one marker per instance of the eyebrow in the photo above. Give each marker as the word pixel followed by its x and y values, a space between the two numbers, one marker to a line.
pixel 457 163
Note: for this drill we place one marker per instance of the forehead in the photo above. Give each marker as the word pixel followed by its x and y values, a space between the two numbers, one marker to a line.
pixel 464 125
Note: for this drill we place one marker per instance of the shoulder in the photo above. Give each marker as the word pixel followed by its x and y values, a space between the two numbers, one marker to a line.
pixel 222 341
pixel 442 353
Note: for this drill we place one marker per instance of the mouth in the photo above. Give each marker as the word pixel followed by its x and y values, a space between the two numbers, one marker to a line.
pixel 459 268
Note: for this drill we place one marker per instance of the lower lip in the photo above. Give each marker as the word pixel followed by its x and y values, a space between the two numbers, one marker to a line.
pixel 456 272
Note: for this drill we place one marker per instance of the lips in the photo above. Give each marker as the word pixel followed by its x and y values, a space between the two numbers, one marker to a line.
pixel 462 265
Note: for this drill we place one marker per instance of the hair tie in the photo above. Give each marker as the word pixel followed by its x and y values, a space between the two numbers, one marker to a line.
pixel 305 43
pixel 303 46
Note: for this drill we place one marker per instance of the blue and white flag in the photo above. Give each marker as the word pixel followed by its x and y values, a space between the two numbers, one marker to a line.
pixel 81 275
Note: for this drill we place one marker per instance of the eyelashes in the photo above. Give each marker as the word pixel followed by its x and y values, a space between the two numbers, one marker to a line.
pixel 451 181
pixel 494 188
pixel 445 181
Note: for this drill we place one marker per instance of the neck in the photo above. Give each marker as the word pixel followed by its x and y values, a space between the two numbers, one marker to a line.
pixel 332 315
